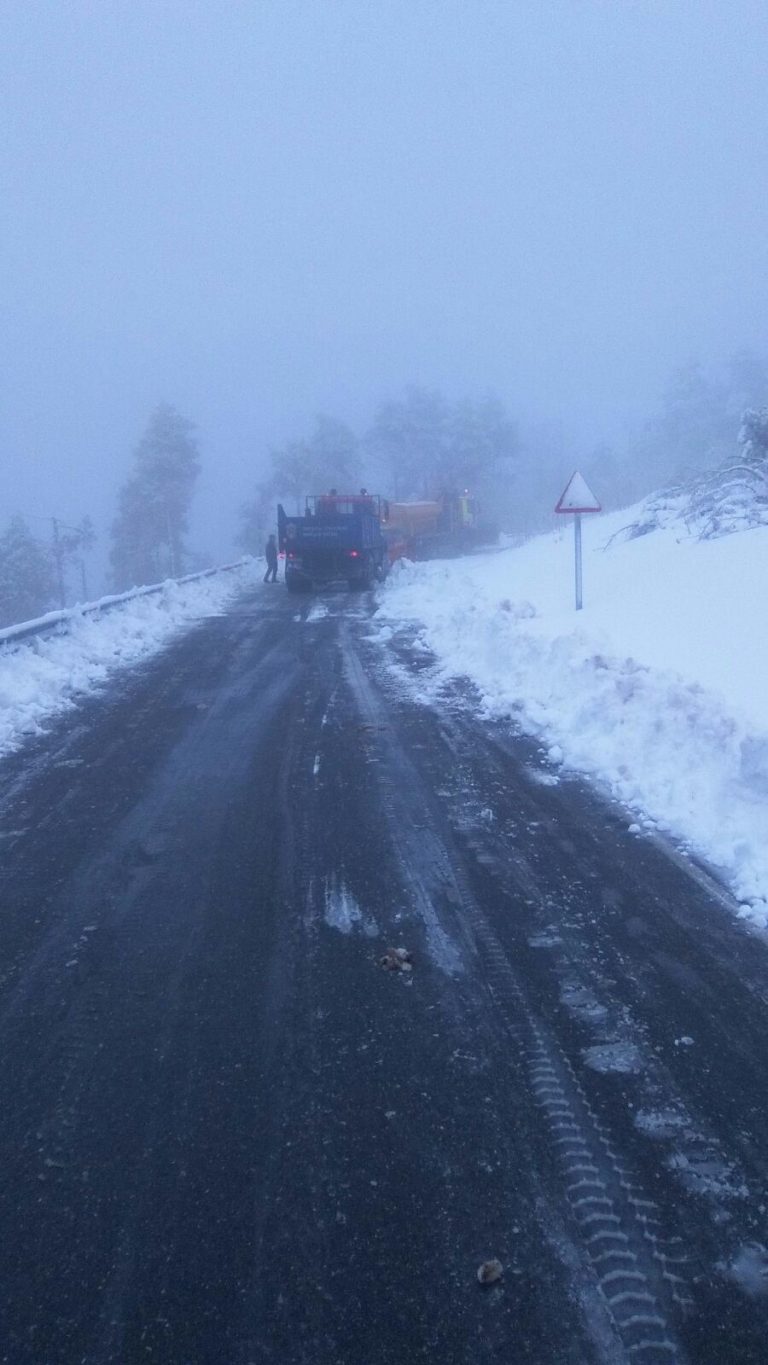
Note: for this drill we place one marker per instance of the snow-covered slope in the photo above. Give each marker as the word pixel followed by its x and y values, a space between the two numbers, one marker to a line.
pixel 658 688
pixel 44 675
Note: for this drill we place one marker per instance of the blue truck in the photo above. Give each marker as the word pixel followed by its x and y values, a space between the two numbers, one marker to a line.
pixel 339 538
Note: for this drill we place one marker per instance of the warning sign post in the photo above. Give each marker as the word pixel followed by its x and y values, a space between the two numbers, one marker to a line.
pixel 576 499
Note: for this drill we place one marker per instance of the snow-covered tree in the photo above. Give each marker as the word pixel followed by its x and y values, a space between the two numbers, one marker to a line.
pixel 148 534
pixel 26 575
pixel 698 423
pixel 735 496
pixel 716 502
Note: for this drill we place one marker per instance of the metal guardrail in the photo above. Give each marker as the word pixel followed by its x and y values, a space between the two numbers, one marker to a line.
pixel 57 622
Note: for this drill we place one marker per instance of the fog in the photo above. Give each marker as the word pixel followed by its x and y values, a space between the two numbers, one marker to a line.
pixel 262 210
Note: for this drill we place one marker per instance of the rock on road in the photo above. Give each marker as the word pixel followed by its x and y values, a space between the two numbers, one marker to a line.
pixel 230 1135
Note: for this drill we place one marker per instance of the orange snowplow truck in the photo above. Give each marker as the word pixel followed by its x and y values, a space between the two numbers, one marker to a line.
pixel 430 530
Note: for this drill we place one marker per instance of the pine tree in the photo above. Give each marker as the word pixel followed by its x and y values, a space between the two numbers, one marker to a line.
pixel 148 533
pixel 26 575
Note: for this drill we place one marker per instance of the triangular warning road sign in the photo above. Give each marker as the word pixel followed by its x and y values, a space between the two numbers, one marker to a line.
pixel 578 497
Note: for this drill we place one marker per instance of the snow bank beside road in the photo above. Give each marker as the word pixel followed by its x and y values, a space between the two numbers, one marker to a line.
pixel 657 688
pixel 44 675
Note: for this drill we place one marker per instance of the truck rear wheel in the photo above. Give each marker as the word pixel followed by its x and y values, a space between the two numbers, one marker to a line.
pixel 366 573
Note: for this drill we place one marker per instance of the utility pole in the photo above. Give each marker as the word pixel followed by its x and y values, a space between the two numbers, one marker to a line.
pixel 171 545
pixel 58 555
pixel 81 537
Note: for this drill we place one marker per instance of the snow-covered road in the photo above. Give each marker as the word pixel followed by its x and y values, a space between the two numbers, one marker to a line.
pixel 235 1128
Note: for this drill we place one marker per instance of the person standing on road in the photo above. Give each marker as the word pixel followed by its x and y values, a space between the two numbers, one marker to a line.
pixel 270 553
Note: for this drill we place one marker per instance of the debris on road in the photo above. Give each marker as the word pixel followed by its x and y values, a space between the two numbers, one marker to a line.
pixel 396 960
pixel 490 1272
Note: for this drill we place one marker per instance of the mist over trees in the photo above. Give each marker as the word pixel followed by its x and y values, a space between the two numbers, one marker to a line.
pixel 424 446
pixel 149 532
pixel 704 449
pixel 716 502
pixel 384 245
pixel 407 439
pixel 698 425
pixel 37 575
pixel 329 458
pixel 694 431
pixel 420 446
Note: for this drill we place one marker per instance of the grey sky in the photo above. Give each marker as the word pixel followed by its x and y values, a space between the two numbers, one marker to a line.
pixel 261 210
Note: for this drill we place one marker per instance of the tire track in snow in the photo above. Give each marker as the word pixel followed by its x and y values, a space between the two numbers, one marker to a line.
pixel 640 1271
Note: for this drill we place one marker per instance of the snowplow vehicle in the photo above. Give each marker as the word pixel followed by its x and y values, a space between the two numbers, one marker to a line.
pixel 447 526
pixel 338 538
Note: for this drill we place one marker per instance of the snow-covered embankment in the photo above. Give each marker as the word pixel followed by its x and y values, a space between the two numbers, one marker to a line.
pixel 658 688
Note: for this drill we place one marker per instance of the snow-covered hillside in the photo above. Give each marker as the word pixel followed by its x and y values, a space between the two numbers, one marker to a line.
pixel 45 674
pixel 658 688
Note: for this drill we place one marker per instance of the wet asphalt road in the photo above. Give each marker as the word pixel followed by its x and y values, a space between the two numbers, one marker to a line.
pixel 229 1135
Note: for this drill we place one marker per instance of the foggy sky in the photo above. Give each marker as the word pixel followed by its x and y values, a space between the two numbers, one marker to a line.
pixel 261 209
